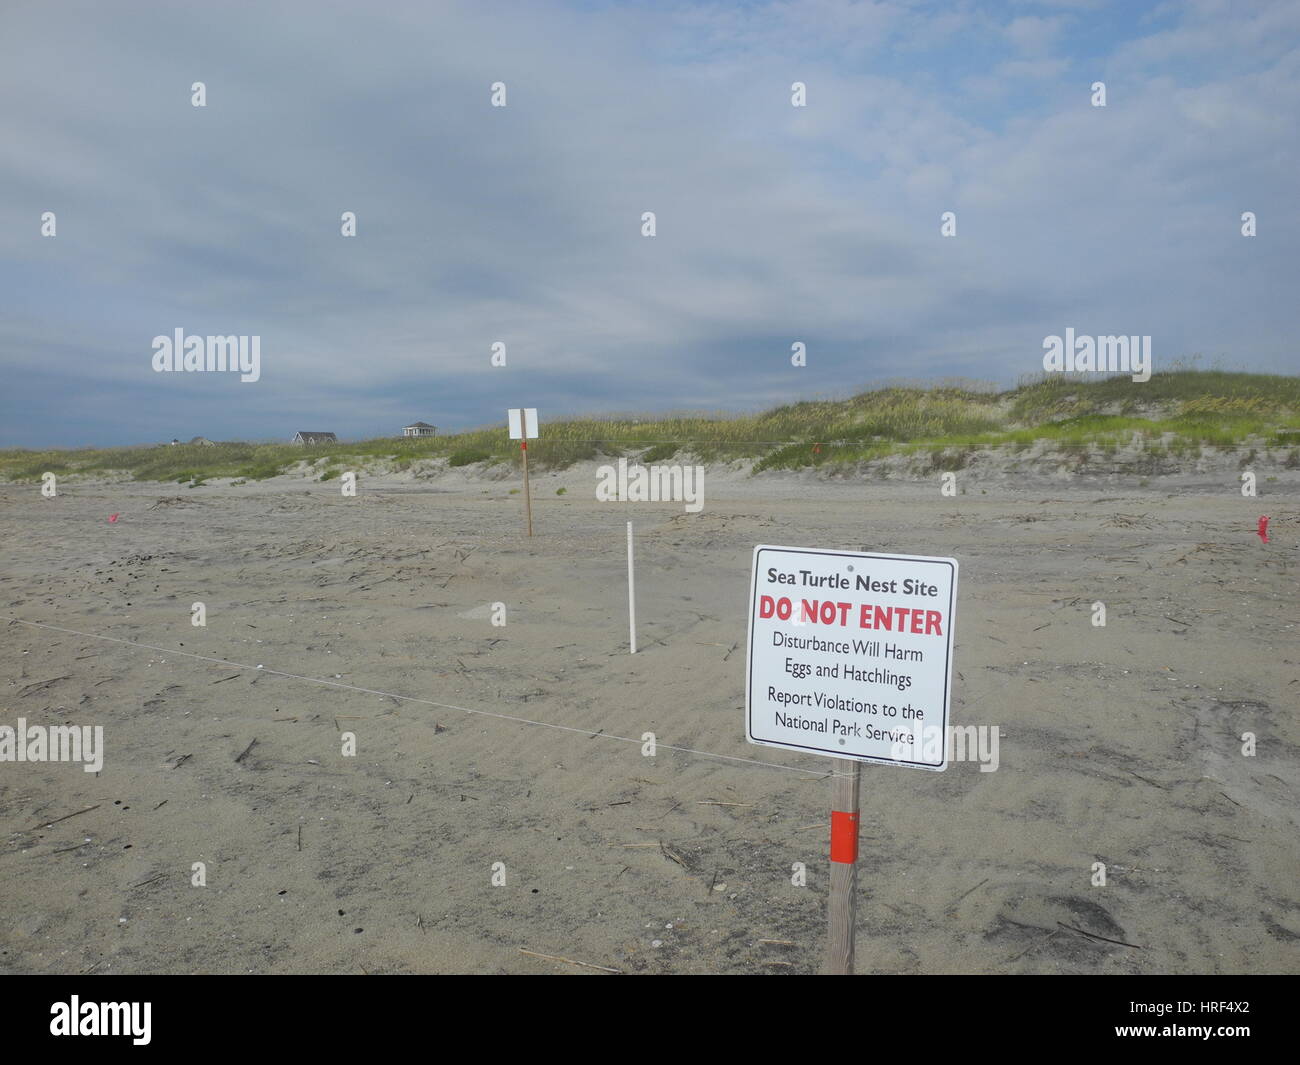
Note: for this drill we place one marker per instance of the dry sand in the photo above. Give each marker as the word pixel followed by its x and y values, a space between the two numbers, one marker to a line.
pixel 1119 744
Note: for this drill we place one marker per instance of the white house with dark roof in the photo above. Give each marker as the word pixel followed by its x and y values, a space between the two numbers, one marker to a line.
pixel 303 437
pixel 420 429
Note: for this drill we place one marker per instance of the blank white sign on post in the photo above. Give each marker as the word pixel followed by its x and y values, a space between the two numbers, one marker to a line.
pixel 523 423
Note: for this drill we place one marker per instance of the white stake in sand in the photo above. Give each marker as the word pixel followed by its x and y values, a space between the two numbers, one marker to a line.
pixel 631 592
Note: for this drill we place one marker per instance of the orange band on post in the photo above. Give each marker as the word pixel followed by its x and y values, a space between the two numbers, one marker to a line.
pixel 844 837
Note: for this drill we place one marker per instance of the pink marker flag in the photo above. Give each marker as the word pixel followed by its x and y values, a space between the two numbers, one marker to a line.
pixel 112 517
pixel 1262 531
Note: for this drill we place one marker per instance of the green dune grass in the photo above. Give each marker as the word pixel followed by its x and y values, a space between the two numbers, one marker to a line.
pixel 1178 412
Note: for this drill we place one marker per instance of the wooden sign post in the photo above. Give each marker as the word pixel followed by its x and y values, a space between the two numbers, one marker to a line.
pixel 528 496
pixel 523 426
pixel 844 867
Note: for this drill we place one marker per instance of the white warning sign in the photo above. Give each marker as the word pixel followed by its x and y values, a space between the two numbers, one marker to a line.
pixel 522 422
pixel 850 654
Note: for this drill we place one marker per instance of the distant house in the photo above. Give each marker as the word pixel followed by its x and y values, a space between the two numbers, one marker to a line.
pixel 420 429
pixel 203 440
pixel 301 437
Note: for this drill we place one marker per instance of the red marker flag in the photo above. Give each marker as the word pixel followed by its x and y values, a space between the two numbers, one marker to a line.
pixel 1262 531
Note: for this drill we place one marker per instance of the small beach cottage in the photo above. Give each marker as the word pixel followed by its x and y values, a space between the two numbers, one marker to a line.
pixel 302 437
pixel 420 429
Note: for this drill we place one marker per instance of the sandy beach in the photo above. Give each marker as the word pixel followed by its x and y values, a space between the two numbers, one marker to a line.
pixel 521 744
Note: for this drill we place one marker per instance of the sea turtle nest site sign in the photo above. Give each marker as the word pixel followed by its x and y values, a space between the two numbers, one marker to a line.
pixel 850 654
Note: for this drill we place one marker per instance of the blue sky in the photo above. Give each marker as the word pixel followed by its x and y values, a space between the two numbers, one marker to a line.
pixel 522 224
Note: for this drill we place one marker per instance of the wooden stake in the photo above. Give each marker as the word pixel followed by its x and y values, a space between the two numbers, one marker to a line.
pixel 631 592
pixel 844 867
pixel 528 499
